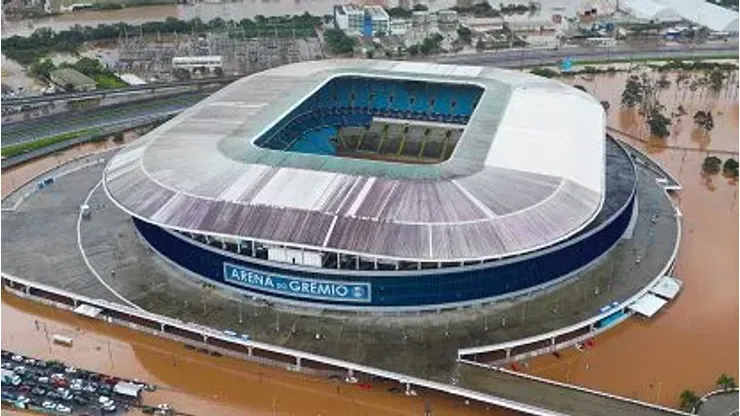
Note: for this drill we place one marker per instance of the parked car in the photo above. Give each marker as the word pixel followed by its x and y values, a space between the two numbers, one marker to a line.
pixel 48 405
pixel 80 401
pixel 38 391
pixel 63 409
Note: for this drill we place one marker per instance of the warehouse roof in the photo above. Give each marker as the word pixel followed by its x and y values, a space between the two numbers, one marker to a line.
pixel 528 170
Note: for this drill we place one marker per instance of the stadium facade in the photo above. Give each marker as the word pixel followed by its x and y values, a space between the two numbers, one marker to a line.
pixel 377 185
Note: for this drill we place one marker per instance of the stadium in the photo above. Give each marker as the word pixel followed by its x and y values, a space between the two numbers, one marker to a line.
pixel 381 186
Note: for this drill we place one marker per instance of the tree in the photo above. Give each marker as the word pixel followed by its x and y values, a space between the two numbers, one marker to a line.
pixel 369 54
pixel 89 66
pixel 689 399
pixel 716 80
pixel 413 49
pixel 42 68
pixel 663 83
pixel 658 122
pixel 181 74
pixel 606 105
pixel 681 111
pixel 711 165
pixel 724 381
pixel 480 45
pixel 118 137
pixel 730 169
pixel 633 92
pixel 218 71
pixel 431 44
pixel 465 35
pixel 704 120
pixel 69 87
pixel 338 42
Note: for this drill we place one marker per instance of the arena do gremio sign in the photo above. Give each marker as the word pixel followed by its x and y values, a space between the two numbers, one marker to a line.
pixel 298 287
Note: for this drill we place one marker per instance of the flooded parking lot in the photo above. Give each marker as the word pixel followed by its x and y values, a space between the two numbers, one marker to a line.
pixel 693 341
pixel 200 384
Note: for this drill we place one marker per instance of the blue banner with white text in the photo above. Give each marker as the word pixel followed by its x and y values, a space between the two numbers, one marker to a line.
pixel 298 287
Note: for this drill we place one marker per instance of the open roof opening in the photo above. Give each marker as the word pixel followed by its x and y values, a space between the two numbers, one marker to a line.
pixel 392 120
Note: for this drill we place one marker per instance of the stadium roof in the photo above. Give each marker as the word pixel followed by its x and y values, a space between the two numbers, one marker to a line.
pixel 528 170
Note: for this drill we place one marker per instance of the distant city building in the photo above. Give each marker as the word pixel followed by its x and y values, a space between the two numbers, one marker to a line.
pixel 379 19
pixel 349 18
pixel 400 26
pixel 358 20
pixel 419 18
pixel 447 19
pixel 64 77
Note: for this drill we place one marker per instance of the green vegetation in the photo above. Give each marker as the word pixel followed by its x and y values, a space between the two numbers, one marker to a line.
pixel 689 399
pixel 401 13
pixel 724 381
pixel 711 165
pixel 20 148
pixel 730 169
pixel 606 105
pixel 431 44
pixel 485 9
pixel 704 121
pixel 545 72
pixel 717 79
pixel 727 4
pixel 338 42
pixel 43 41
pixel 633 92
pixel 658 122
pixel 701 65
pixel 104 78
pixel 465 35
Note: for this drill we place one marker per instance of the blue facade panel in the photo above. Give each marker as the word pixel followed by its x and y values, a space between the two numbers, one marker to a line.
pixel 423 287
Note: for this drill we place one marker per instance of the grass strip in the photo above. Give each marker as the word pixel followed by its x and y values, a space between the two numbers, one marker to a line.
pixel 20 148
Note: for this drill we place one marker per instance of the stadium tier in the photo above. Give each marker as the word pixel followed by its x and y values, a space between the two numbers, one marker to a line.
pixel 379 185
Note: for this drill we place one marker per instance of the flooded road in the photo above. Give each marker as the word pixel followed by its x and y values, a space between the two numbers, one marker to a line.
pixel 693 341
pixel 200 384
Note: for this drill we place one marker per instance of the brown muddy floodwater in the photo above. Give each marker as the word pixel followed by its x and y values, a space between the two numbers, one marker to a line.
pixel 17 176
pixel 695 339
pixel 199 384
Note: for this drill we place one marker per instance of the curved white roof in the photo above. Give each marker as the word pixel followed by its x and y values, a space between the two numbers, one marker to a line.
pixel 527 172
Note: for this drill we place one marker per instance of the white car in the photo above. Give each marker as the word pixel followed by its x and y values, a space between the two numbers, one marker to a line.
pixel 63 409
pixel 104 400
pixel 70 370
pixel 76 387
pixel 48 405
pixel 109 407
pixel 17 358
pixel 20 370
pixel 44 380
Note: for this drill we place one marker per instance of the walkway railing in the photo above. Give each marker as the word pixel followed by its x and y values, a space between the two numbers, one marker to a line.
pixel 24 288
pixel 588 323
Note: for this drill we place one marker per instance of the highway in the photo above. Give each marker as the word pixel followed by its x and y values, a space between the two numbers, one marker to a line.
pixel 96 117
pixel 127 90
pixel 533 57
